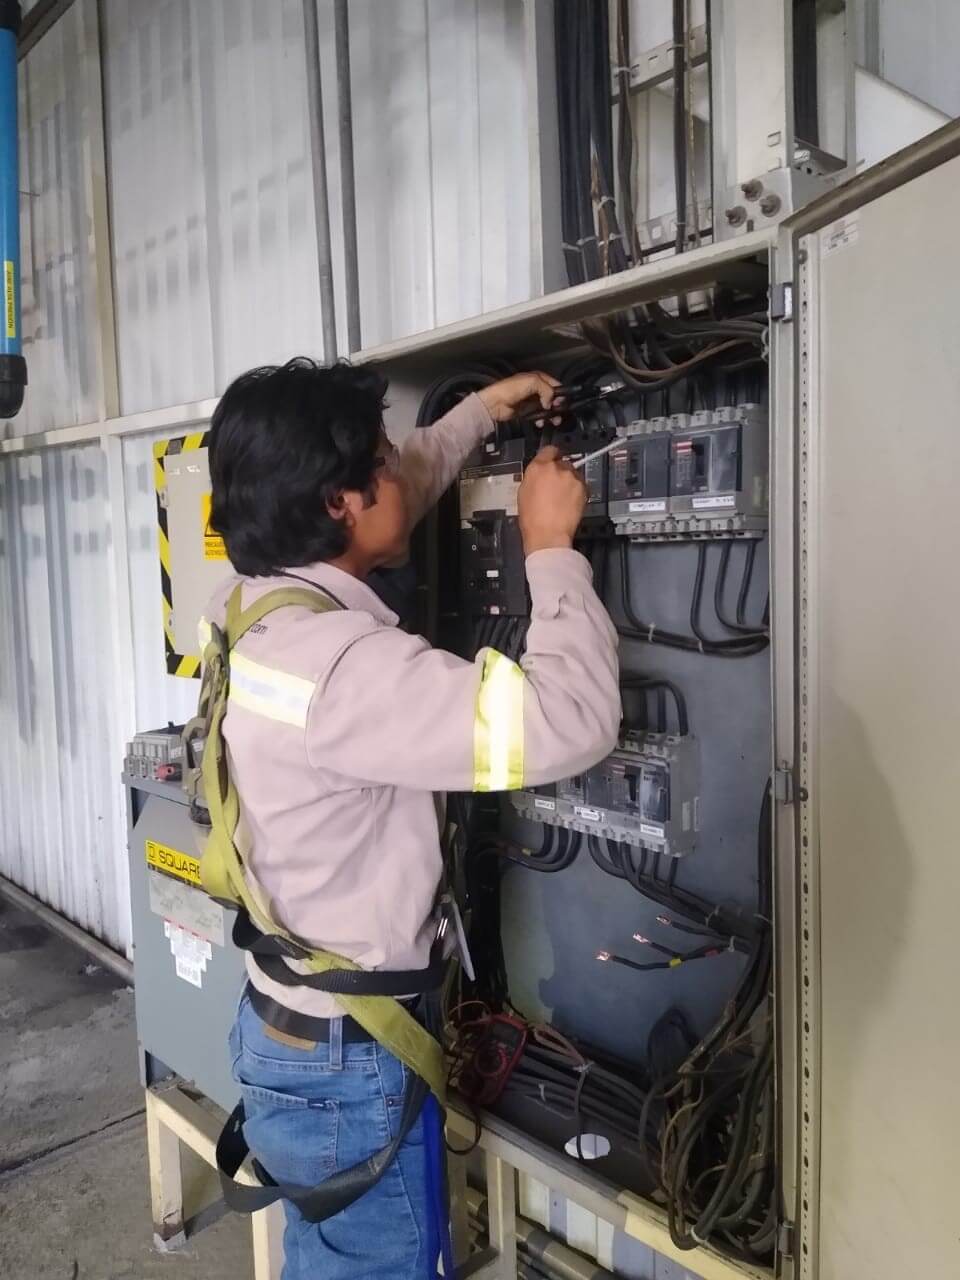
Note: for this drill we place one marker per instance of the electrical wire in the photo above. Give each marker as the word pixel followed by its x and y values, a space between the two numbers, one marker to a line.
pixel 648 684
pixel 739 625
pixel 648 632
pixel 679 121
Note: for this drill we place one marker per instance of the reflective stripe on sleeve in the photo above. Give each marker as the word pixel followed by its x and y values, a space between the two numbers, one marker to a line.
pixel 269 692
pixel 498 726
pixel 203 633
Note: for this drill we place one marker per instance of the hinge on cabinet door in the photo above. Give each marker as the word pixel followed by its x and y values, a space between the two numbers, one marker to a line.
pixel 783 789
pixel 785 1240
pixel 781 301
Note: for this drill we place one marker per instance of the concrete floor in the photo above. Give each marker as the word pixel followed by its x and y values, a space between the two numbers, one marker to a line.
pixel 74 1199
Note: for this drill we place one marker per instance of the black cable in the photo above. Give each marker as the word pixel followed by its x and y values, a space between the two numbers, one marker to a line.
pixel 745 581
pixel 649 683
pixel 752 642
pixel 719 589
pixel 680 121
pixel 626 153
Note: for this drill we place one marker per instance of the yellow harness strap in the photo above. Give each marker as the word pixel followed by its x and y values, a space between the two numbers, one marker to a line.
pixel 221 867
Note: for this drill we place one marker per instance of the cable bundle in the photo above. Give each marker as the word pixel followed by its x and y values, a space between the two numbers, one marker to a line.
pixel 592 239
pixel 717 1157
pixel 746 641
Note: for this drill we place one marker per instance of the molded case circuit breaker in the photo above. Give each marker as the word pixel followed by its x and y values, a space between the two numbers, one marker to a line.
pixel 700 475
pixel 493 581
pixel 646 794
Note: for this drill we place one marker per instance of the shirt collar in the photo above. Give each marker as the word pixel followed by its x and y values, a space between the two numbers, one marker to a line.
pixel 345 588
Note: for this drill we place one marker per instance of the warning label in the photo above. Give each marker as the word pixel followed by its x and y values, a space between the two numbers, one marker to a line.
pixel 9 299
pixel 190 953
pixel 214 547
pixel 173 862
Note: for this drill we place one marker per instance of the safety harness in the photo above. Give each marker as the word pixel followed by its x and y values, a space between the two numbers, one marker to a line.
pixel 367 997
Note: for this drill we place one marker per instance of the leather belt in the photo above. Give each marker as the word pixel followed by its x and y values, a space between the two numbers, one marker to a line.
pixel 301 1025
pixel 305 1026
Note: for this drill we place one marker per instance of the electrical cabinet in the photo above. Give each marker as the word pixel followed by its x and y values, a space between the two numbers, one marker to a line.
pixel 188 973
pixel 839 716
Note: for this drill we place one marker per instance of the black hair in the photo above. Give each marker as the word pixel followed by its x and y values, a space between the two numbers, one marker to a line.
pixel 284 441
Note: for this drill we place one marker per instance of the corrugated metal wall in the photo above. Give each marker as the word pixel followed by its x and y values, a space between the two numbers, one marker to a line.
pixel 211 181
pixel 56 262
pixel 61 818
pixel 212 213
pixel 214 262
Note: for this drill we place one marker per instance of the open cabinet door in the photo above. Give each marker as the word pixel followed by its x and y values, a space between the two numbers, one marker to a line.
pixel 877 327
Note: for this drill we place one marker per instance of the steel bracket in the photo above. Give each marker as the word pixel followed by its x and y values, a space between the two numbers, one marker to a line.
pixel 781 300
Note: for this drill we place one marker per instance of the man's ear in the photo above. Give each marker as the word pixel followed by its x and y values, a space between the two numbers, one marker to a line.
pixel 346 506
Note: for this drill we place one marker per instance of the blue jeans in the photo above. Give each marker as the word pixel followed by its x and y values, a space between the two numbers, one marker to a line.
pixel 312 1112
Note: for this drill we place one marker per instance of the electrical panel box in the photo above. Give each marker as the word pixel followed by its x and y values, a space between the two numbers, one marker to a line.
pixel 157 754
pixel 493 581
pixel 189 975
pixel 646 793
pixel 700 475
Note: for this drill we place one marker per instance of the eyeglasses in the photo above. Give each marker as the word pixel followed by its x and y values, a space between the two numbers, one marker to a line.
pixel 388 460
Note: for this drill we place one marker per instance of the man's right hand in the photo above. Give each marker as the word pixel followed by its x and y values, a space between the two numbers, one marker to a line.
pixel 550 502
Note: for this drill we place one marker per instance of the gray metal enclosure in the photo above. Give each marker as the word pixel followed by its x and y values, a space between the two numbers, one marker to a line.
pixel 878 451
pixel 184 1013
pixel 554 925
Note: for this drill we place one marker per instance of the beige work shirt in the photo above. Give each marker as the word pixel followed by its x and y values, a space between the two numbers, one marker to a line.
pixel 341 727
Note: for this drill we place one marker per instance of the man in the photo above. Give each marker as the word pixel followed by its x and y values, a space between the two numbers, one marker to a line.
pixel 339 729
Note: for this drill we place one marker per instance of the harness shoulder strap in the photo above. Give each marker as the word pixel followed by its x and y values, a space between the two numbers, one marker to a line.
pixel 240 620
pixel 221 869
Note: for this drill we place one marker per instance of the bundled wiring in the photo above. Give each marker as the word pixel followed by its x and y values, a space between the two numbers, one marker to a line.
pixel 717 1162
pixel 725 926
pixel 680 120
pixel 647 684
pixel 626 147
pixel 739 624
pixel 558 850
pixel 593 243
pixel 741 646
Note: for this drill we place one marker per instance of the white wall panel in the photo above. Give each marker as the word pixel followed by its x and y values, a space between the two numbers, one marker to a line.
pixel 914 46
pixel 61 819
pixel 57 283
pixel 211 179
pixel 440 140
pixel 214 240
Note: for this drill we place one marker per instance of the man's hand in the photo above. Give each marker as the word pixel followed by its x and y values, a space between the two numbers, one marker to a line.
pixel 523 391
pixel 550 502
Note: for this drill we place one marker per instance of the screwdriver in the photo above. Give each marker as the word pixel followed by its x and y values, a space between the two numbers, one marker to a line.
pixel 597 453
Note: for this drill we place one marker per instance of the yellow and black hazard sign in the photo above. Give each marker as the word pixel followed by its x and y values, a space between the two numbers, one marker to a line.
pixel 174 862
pixel 178 663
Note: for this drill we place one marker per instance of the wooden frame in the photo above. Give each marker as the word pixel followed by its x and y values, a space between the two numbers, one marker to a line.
pixel 175 1118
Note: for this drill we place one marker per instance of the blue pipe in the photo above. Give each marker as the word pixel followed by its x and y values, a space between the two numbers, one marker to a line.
pixel 13 367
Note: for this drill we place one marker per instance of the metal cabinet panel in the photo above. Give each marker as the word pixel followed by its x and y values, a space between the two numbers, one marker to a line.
pixel 878 705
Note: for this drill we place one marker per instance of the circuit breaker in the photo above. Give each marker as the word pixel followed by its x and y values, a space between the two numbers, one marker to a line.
pixel 491 551
pixel 646 793
pixel 700 475
pixel 574 443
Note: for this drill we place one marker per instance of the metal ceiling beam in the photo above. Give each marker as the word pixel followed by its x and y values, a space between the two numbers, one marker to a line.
pixel 38 22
